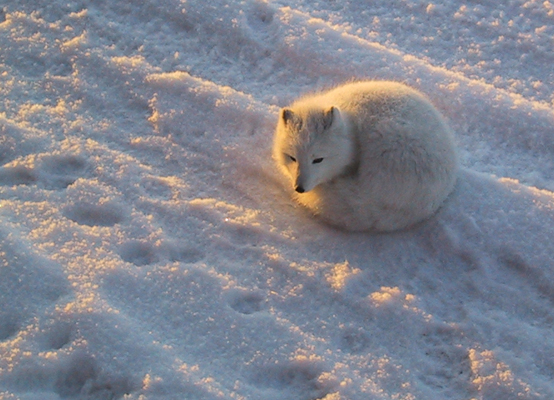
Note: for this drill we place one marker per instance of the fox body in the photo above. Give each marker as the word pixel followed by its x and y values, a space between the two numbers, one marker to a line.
pixel 372 155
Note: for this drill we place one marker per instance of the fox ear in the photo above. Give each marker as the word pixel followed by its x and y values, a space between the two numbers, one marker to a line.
pixel 287 115
pixel 291 119
pixel 329 116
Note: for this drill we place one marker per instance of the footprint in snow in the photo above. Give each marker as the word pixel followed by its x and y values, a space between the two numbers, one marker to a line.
pixel 158 188
pixel 185 254
pixel 80 376
pixel 9 325
pixel 139 252
pixel 18 175
pixel 514 261
pixel 450 361
pixel 353 340
pixel 56 335
pixel 52 172
pixel 260 15
pixel 60 171
pixel 300 378
pixel 75 376
pixel 107 214
pixel 21 298
pixel 243 235
pixel 142 252
pixel 245 302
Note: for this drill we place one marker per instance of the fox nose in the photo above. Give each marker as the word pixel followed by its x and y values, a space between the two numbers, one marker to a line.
pixel 299 189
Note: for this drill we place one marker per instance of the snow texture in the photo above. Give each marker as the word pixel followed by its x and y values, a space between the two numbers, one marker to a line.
pixel 149 248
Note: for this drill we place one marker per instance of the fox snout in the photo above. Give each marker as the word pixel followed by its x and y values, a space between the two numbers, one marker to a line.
pixel 305 178
pixel 301 184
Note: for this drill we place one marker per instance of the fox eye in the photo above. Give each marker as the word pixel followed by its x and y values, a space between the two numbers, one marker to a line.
pixel 317 160
pixel 291 158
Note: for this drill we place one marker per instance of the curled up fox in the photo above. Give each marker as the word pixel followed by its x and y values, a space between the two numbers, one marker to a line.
pixel 367 156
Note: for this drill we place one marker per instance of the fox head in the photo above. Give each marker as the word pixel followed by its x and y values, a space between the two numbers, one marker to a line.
pixel 312 145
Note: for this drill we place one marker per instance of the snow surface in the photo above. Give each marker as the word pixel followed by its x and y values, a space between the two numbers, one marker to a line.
pixel 150 249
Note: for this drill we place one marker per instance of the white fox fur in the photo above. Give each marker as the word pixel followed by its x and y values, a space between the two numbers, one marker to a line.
pixel 372 155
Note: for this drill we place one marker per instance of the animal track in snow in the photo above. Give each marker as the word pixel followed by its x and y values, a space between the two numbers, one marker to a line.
pixel 21 299
pixel 60 171
pixel 52 172
pixel 244 235
pixel 245 302
pixel 139 253
pixel 107 214
pixel 61 68
pixel 73 377
pixel 56 335
pixel 534 275
pixel 76 375
pixel 142 252
pixel 261 15
pixel 18 175
pixel 9 325
pixel 450 358
pixel 157 188
pixel 298 378
pixel 186 254
pixel 80 377
pixel 353 340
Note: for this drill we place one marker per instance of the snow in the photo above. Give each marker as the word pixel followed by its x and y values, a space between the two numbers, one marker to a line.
pixel 149 247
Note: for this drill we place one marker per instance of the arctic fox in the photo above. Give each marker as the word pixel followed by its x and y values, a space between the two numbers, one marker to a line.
pixel 372 155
